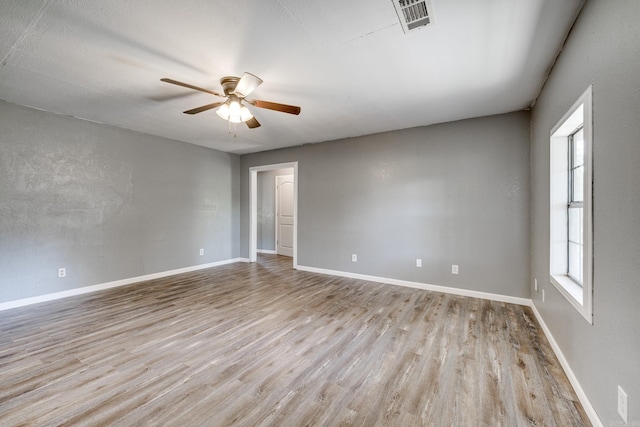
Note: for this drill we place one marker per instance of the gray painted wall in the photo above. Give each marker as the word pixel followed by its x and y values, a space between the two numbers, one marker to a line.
pixel 603 49
pixel 455 193
pixel 266 231
pixel 106 203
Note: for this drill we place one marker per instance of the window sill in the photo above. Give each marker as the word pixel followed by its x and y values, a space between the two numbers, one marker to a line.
pixel 573 292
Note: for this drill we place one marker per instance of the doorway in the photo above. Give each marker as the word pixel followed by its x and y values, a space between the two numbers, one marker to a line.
pixel 253 209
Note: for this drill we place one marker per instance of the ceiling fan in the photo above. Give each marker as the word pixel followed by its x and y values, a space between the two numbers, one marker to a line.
pixel 236 90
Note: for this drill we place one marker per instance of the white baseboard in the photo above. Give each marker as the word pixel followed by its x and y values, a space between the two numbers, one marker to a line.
pixel 267 251
pixel 93 288
pixel 424 286
pixel 582 396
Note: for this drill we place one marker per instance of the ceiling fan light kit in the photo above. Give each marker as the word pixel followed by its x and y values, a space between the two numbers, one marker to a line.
pixel 234 111
pixel 236 90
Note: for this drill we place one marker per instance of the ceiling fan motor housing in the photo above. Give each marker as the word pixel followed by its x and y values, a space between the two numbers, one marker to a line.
pixel 229 84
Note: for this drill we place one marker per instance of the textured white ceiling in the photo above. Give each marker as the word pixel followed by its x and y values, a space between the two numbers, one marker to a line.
pixel 347 64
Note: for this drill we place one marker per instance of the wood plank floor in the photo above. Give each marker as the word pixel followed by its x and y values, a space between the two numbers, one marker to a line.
pixel 262 344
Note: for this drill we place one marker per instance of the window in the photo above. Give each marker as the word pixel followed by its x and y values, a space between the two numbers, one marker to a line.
pixel 570 207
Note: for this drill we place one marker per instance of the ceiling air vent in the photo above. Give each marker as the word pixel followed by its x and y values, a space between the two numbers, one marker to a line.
pixel 413 14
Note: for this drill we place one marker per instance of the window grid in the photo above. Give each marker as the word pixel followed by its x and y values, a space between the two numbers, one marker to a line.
pixel 575 245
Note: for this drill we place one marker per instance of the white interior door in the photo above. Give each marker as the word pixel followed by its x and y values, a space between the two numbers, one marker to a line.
pixel 284 215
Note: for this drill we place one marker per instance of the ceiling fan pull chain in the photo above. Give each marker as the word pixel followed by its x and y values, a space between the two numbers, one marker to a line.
pixel 234 128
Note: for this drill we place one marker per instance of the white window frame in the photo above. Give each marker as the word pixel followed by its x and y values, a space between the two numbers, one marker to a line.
pixel 580 114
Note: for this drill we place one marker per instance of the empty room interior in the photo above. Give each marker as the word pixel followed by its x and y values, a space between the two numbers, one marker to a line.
pixel 383 212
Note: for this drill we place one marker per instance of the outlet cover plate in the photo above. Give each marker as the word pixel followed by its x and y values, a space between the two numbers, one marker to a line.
pixel 454 269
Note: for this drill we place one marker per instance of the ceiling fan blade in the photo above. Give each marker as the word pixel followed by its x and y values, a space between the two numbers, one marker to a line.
pixel 253 123
pixel 187 85
pixel 204 108
pixel 247 84
pixel 291 109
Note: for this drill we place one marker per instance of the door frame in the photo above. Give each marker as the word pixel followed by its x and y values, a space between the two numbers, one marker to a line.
pixel 253 208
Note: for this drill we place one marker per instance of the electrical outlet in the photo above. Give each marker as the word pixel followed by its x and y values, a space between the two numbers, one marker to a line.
pixel 623 408
pixel 543 295
pixel 454 269
pixel 201 252
pixel 354 258
pixel 535 284
pixel 62 272
pixel 418 262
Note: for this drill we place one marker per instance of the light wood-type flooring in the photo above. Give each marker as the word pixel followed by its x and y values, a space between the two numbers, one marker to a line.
pixel 264 345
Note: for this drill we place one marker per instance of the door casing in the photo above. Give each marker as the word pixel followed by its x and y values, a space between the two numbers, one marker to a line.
pixel 253 208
